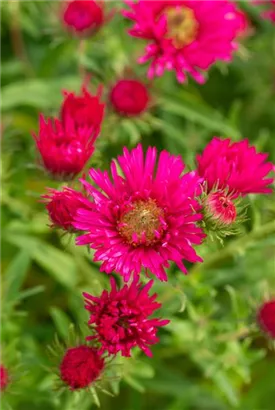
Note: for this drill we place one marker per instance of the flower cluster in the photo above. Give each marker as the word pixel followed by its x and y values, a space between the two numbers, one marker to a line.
pixel 146 212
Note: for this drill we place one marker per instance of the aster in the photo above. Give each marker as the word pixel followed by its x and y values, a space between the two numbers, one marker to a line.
pixel 185 36
pixel 129 97
pixel 83 17
pixel 223 214
pixel 81 366
pixel 121 319
pixel 62 206
pixel 144 217
pixel 65 145
pixel 235 166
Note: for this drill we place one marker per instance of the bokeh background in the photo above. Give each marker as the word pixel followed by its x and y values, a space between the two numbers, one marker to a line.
pixel 211 356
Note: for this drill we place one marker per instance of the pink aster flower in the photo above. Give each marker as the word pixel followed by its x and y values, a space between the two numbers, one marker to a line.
pixel 66 145
pixel 129 97
pixel 62 206
pixel 143 218
pixel 235 166
pixel 266 317
pixel 120 318
pixel 187 36
pixel 221 207
pixel 83 17
pixel 81 366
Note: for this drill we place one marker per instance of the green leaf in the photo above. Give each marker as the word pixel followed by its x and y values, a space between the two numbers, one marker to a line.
pixel 15 276
pixel 202 115
pixel 37 93
pixel 57 263
pixel 223 383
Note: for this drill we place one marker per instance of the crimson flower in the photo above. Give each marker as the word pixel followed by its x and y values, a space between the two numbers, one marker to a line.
pixel 66 145
pixel 62 206
pixel 120 318
pixel 234 166
pixel 83 17
pixel 266 318
pixel 129 97
pixel 186 36
pixel 81 366
pixel 4 378
pixel 143 217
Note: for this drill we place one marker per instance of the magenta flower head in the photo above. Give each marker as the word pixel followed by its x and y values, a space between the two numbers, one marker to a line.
pixel 142 218
pixel 221 207
pixel 120 318
pixel 234 166
pixel 266 318
pixel 129 97
pixel 4 378
pixel 81 366
pixel 66 145
pixel 83 17
pixel 185 36
pixel 62 207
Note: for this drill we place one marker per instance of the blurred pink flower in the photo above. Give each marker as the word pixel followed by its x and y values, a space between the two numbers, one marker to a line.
pixel 144 218
pixel 83 17
pixel 269 12
pixel 129 97
pixel 266 317
pixel 4 378
pixel 234 166
pixel 186 36
pixel 120 318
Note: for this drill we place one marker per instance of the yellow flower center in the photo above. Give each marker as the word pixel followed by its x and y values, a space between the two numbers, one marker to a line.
pixel 142 225
pixel 182 25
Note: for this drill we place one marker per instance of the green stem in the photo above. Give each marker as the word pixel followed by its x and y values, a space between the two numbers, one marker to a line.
pixel 241 243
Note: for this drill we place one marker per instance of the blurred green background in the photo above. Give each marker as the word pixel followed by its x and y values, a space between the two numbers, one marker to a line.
pixel 211 356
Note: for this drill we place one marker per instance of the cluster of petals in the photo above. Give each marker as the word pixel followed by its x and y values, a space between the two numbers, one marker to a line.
pixel 187 36
pixel 81 366
pixel 129 97
pixel 120 318
pixel 4 377
pixel 266 317
pixel 83 17
pixel 62 206
pixel 234 166
pixel 66 144
pixel 144 216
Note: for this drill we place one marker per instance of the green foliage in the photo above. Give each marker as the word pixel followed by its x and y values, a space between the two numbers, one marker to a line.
pixel 211 356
